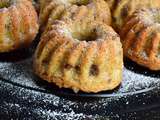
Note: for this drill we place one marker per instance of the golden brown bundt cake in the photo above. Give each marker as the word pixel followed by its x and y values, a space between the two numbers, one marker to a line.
pixel 125 8
pixel 55 9
pixel 18 24
pixel 92 12
pixel 84 56
pixel 141 38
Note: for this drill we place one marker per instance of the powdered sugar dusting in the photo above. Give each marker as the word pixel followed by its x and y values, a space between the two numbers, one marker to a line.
pixel 60 115
pixel 22 73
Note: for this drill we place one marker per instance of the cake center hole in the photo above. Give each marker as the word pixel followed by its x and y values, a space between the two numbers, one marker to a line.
pixel 85 35
pixel 81 2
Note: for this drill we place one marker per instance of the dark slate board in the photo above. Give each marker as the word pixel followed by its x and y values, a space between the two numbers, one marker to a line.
pixel 25 96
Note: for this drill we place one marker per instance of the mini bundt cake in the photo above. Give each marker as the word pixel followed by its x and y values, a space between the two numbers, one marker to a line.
pixel 55 9
pixel 89 12
pixel 84 56
pixel 141 38
pixel 125 8
pixel 18 24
